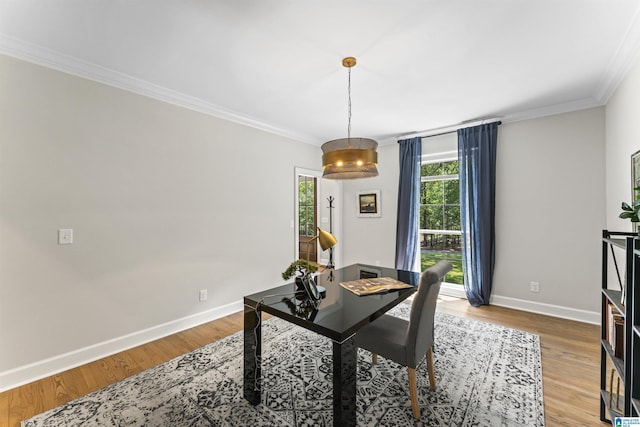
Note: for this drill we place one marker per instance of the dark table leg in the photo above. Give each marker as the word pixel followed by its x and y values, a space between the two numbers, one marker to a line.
pixel 344 382
pixel 252 354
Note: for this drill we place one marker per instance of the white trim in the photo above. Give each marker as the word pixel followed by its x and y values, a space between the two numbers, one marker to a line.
pixel 448 232
pixel 296 204
pixel 71 65
pixel 11 46
pixel 578 315
pixel 551 110
pixel 593 317
pixel 623 59
pixel 442 156
pixel 533 113
pixel 45 368
pixel 42 369
pixel 433 178
pixel 453 290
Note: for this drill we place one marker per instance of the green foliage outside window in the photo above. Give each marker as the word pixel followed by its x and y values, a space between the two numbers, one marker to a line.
pixel 440 197
pixel 306 206
pixel 440 210
pixel 430 258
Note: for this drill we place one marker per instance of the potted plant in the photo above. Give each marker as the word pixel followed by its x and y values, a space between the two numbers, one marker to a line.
pixel 632 212
pixel 299 268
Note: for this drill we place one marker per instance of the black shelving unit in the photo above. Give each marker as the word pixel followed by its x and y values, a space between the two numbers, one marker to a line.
pixel 634 370
pixel 625 248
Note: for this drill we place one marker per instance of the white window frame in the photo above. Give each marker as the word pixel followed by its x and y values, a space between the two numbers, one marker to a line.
pixel 448 289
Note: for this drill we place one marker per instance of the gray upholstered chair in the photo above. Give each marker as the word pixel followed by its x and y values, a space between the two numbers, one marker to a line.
pixel 407 342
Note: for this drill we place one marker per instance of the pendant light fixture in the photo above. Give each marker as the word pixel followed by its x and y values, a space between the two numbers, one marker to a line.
pixel 349 158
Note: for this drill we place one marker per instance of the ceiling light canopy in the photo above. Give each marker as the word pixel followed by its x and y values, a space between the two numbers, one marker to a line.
pixel 349 158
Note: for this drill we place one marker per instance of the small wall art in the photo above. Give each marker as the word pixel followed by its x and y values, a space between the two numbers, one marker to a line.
pixel 368 203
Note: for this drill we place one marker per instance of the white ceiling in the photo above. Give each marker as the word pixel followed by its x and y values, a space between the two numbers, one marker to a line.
pixel 276 64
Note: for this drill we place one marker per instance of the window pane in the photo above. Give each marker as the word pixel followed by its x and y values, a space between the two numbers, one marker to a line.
pixel 450 168
pixel 431 193
pixel 306 202
pixel 440 210
pixel 310 221
pixel 451 192
pixel 302 193
pixel 310 191
pixel 451 218
pixel 431 256
pixel 302 224
pixel 306 193
pixel 306 221
pixel 431 169
pixel 448 242
pixel 302 221
pixel 433 216
pixel 423 217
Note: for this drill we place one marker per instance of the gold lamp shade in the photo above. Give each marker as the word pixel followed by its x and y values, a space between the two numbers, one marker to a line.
pixel 349 158
pixel 326 239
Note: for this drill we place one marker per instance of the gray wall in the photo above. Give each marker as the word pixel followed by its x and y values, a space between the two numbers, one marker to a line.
pixel 163 202
pixel 623 139
pixel 550 210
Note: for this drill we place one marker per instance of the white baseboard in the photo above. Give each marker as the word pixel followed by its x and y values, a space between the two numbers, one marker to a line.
pixel 44 368
pixel 584 316
pixel 547 309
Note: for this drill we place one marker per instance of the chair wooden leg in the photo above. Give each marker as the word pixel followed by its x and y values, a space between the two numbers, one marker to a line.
pixel 432 373
pixel 374 358
pixel 413 393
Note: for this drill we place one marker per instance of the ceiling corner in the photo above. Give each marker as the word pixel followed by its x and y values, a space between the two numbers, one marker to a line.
pixel 623 59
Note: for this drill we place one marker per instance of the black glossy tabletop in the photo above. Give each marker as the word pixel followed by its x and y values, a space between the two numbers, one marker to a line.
pixel 340 313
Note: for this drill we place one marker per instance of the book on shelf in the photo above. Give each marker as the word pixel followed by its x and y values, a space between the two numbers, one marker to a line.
pixel 618 350
pixel 616 405
pixel 615 331
pixel 374 285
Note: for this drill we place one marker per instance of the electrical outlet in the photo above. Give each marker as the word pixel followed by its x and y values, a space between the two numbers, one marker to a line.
pixel 65 236
pixel 535 287
pixel 203 295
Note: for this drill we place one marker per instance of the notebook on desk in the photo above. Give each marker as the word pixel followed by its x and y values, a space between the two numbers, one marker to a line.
pixel 374 285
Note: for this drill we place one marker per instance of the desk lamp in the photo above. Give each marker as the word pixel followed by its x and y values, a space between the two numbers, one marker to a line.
pixel 326 241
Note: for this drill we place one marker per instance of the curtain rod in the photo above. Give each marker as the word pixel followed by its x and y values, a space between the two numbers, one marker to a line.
pixel 448 129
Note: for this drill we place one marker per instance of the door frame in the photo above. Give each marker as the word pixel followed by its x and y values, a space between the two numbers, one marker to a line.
pixel 325 188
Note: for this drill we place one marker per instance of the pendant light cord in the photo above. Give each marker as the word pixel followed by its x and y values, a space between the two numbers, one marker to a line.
pixel 349 108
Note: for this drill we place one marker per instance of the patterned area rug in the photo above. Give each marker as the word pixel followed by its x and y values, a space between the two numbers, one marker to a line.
pixel 486 375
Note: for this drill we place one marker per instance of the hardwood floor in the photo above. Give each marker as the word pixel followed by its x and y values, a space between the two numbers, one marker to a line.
pixel 570 365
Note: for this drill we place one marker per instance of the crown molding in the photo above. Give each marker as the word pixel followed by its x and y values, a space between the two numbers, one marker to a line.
pixel 623 59
pixel 550 110
pixel 49 58
pixel 534 113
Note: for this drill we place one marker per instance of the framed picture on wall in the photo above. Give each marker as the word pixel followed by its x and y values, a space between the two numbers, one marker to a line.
pixel 368 203
pixel 635 180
